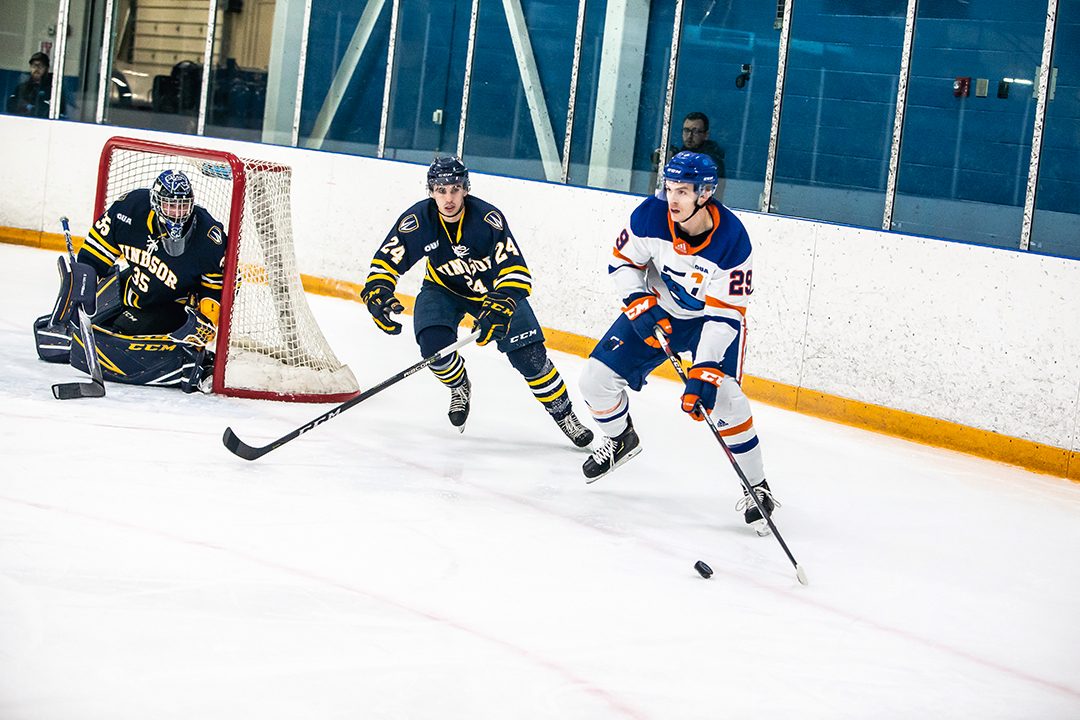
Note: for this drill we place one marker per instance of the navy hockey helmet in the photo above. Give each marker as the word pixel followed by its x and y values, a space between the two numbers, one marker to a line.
pixel 692 167
pixel 173 201
pixel 447 171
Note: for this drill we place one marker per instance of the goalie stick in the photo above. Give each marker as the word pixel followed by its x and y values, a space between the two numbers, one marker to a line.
pixel 95 388
pixel 662 339
pixel 249 452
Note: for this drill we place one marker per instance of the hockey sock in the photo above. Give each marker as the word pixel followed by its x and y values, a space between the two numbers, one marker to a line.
pixel 548 387
pixel 450 371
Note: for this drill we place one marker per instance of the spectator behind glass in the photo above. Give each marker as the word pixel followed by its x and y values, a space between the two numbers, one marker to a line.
pixel 695 138
pixel 31 97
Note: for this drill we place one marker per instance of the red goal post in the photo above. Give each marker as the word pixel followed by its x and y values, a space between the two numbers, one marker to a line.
pixel 269 345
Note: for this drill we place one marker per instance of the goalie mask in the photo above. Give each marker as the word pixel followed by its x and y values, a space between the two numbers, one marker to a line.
pixel 173 202
pixel 447 171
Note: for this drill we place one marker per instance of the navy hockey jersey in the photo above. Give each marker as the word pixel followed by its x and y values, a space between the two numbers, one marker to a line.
pixel 469 258
pixel 127 229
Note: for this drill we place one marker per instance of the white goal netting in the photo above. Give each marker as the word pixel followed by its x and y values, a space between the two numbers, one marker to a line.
pixel 273 345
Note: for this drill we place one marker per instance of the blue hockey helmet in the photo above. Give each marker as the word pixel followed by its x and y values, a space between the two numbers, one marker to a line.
pixel 691 167
pixel 447 171
pixel 173 201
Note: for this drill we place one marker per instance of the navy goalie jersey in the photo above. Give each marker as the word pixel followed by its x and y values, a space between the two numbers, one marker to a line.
pixel 470 258
pixel 127 229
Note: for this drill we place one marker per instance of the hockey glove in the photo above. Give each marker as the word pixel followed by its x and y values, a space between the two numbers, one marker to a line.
pixel 700 390
pixel 494 320
pixel 381 303
pixel 197 332
pixel 645 314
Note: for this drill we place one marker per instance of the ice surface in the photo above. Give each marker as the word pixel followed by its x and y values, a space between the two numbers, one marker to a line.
pixel 384 566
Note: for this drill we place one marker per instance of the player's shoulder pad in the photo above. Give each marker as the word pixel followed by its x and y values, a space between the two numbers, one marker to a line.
pixel 414 218
pixel 206 224
pixel 481 209
pixel 731 243
pixel 133 201
pixel 649 219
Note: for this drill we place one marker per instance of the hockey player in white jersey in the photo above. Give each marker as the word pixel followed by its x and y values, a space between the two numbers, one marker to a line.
pixel 684 265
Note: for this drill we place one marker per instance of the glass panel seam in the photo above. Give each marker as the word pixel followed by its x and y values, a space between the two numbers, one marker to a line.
pixel 1040 119
pixel 898 119
pixel 391 59
pixel 301 73
pixel 579 34
pixel 468 78
pixel 765 204
pixel 669 99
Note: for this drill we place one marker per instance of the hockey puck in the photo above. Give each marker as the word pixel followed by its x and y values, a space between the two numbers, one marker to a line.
pixel 703 570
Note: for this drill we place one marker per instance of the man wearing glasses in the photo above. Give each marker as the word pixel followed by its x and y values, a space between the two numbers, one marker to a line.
pixel 695 138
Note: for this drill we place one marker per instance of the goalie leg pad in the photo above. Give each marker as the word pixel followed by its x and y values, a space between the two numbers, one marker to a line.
pixel 135 360
pixel 53 341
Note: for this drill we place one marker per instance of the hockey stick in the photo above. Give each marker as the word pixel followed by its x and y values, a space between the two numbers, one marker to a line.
pixel 95 388
pixel 662 339
pixel 249 452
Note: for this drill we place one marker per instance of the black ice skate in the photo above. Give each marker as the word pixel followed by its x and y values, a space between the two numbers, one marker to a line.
pixel 750 510
pixel 459 404
pixel 573 429
pixel 613 453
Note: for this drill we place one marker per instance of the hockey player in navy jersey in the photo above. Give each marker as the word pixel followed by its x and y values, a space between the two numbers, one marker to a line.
pixel 474 266
pixel 157 260
pixel 683 265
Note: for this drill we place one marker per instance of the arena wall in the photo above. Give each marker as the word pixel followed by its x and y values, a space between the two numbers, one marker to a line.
pixel 961 346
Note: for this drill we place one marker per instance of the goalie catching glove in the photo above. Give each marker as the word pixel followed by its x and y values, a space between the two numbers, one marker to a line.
pixel 201 327
pixel 381 303
pixel 700 390
pixel 494 320
pixel 645 314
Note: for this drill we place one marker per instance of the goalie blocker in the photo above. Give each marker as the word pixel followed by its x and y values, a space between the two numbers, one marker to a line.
pixel 180 358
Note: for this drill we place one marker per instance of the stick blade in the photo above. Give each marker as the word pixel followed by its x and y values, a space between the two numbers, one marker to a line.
pixel 801 574
pixel 75 390
pixel 240 448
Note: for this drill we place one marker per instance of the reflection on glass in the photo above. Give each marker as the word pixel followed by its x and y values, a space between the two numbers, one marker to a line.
pixel 426 92
pixel 967 144
pixel 620 101
pixel 516 127
pixel 238 76
pixel 343 81
pixel 157 64
pixel 832 159
pixel 31 58
pixel 1056 228
pixel 727 71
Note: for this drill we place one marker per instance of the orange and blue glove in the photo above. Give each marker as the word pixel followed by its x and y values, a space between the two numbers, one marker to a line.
pixel 645 314
pixel 700 390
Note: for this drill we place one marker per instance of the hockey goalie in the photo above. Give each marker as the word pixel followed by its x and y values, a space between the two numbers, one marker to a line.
pixel 149 276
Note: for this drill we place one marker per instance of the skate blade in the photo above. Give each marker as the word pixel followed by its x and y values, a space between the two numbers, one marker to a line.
pixel 761 527
pixel 629 456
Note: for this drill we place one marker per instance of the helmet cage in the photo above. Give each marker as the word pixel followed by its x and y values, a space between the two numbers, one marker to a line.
pixel 173 202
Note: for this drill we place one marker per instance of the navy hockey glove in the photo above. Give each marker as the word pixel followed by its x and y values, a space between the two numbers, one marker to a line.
pixel 494 320
pixel 645 314
pixel 701 389
pixel 381 303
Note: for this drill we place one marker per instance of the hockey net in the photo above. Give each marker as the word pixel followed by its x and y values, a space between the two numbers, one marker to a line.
pixel 269 344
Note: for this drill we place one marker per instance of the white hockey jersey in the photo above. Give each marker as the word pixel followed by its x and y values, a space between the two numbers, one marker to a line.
pixel 712 281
